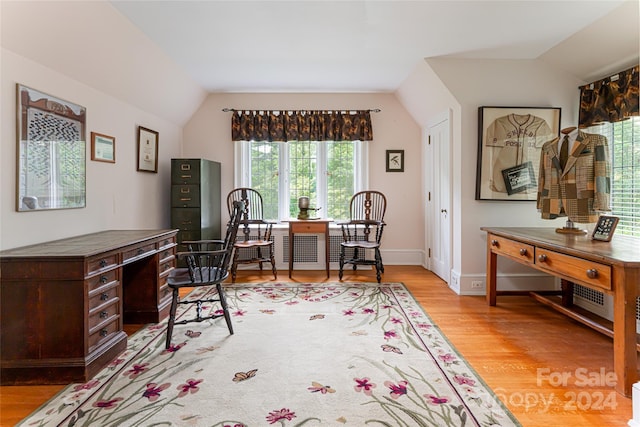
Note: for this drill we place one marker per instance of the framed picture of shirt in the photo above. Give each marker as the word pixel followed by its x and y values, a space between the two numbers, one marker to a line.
pixel 510 141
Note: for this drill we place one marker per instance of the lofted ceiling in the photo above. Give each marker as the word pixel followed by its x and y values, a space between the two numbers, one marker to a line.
pixel 359 46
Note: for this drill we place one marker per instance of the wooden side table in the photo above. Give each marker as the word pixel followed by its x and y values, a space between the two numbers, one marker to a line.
pixel 314 226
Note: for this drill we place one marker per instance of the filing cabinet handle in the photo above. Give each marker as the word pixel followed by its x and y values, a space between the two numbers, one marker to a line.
pixel 542 258
pixel 494 242
pixel 103 314
pixel 185 176
pixel 103 332
pixel 592 273
pixel 185 199
pixel 185 167
pixel 103 279
pixel 185 190
pixel 104 296
pixel 523 252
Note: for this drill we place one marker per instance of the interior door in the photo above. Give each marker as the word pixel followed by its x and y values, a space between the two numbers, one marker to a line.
pixel 438 218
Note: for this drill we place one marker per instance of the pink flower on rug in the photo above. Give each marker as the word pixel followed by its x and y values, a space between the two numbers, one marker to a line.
pixel 397 390
pixel 190 386
pixel 424 326
pixel 447 358
pixel 136 370
pixel 292 302
pixel 348 312
pixel 282 414
pixel 107 404
pixel 390 334
pixel 116 362
pixel 436 400
pixel 153 391
pixel 396 320
pixel 363 385
pixel 238 313
pixel 462 380
pixel 368 311
pixel 173 348
pixel 86 386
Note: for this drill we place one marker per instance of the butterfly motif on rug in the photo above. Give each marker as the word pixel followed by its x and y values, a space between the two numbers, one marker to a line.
pixel 390 349
pixel 241 376
pixel 317 387
pixel 192 334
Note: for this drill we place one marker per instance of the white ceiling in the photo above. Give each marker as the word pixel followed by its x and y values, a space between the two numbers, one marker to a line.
pixel 348 46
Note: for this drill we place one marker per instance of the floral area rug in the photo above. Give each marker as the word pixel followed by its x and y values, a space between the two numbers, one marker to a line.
pixel 327 354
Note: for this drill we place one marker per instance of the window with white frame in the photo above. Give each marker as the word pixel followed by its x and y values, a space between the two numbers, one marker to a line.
pixel 328 172
pixel 624 145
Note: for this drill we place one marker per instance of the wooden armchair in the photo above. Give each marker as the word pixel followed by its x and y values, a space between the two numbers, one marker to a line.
pixel 207 265
pixel 255 244
pixel 364 230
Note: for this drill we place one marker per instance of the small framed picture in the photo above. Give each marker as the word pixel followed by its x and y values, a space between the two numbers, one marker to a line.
pixel 604 228
pixel 103 148
pixel 395 160
pixel 147 150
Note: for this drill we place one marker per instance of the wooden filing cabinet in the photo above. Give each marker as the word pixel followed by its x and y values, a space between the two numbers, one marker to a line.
pixel 195 199
pixel 63 303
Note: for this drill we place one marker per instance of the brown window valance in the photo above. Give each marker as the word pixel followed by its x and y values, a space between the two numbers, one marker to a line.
pixel 301 126
pixel 610 100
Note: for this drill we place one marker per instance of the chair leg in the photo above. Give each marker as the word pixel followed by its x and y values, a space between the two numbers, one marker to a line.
pixel 260 257
pixel 225 308
pixel 340 272
pixel 355 258
pixel 234 265
pixel 172 316
pixel 273 263
pixel 379 267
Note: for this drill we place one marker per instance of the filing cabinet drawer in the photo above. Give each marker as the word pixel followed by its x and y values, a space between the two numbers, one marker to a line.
pixel 185 171
pixel 186 218
pixel 185 196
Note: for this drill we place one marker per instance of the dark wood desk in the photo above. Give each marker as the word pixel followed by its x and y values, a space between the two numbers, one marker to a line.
pixel 315 226
pixel 63 303
pixel 609 267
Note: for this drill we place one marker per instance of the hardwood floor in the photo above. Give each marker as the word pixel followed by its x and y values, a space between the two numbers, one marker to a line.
pixel 548 369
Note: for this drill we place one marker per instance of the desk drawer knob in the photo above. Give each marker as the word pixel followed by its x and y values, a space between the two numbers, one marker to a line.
pixel 592 273
pixel 104 296
pixel 103 263
pixel 104 332
pixel 104 314
pixel 103 279
pixel 542 258
pixel 523 252
pixel 494 242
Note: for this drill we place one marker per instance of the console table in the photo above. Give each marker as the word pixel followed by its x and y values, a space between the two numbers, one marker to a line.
pixel 315 226
pixel 609 267
pixel 63 302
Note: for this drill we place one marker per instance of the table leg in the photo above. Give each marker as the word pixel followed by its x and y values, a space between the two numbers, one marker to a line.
pixel 491 276
pixel 625 354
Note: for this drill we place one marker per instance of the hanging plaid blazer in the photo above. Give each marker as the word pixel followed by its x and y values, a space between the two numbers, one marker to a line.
pixel 583 187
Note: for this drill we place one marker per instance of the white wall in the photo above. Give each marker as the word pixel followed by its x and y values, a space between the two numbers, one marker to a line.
pixel 473 83
pixel 208 135
pixel 118 197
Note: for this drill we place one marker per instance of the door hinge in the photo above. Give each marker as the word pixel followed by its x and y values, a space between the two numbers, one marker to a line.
pixel 429 138
pixel 429 195
pixel 429 252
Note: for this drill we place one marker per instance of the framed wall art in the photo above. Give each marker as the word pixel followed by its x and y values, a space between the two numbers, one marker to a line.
pixel 395 160
pixel 147 150
pixel 51 152
pixel 103 148
pixel 510 141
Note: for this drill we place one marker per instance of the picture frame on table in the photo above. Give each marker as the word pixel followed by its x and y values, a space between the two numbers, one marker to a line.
pixel 605 227
pixel 147 150
pixel 103 148
pixel 395 160
pixel 510 141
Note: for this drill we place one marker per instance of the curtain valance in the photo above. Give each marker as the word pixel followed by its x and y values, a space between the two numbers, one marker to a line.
pixel 304 125
pixel 610 100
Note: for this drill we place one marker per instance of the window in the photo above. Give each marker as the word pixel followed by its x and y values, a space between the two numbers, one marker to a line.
pixel 624 146
pixel 327 172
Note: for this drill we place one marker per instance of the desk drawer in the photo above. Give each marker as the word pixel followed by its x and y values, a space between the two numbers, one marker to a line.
pixel 103 334
pixel 512 248
pixel 138 251
pixel 101 262
pixel 102 279
pixel 582 271
pixel 104 295
pixel 308 227
pixel 104 313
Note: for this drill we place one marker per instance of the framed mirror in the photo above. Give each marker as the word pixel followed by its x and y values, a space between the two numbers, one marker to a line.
pixel 51 152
